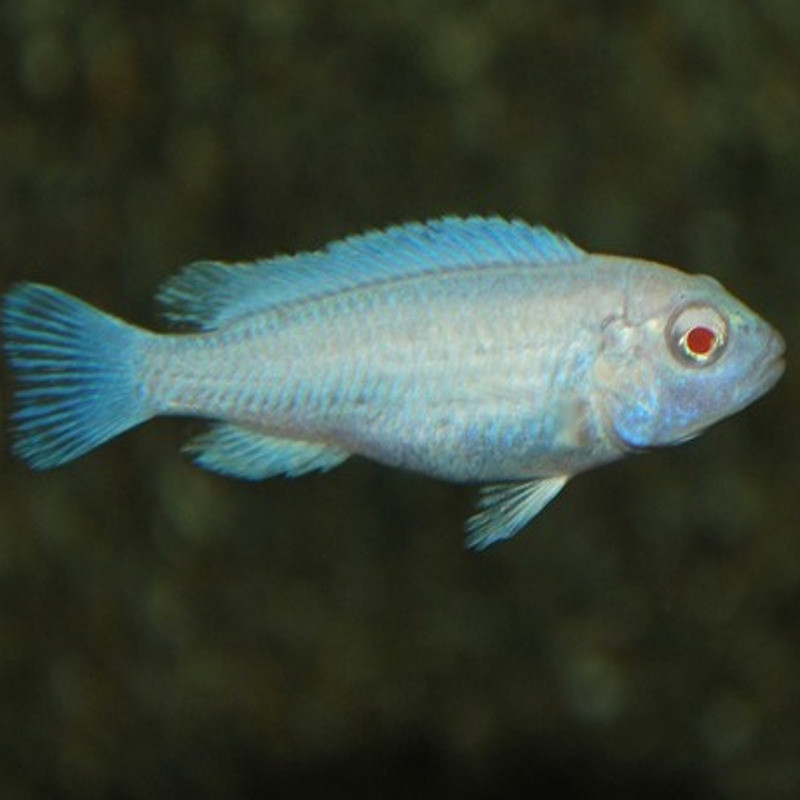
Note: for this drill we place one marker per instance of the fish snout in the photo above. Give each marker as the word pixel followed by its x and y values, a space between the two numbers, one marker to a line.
pixel 772 362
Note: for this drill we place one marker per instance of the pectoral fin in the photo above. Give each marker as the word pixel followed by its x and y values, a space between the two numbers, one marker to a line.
pixel 507 507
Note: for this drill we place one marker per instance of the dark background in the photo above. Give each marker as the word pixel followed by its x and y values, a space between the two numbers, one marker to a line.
pixel 165 632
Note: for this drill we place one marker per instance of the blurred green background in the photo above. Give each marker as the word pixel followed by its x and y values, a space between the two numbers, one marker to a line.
pixel 165 632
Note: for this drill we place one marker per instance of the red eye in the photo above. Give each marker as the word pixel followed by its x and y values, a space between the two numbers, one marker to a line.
pixel 697 335
pixel 700 341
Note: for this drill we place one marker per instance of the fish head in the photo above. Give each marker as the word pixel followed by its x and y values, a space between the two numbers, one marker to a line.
pixel 684 354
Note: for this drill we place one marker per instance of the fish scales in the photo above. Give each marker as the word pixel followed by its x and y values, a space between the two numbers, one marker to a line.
pixel 474 349
pixel 434 368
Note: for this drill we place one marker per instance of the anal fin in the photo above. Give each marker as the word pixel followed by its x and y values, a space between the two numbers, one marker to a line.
pixel 244 453
pixel 506 508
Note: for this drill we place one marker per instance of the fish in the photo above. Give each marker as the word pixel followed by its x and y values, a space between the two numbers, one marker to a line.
pixel 475 349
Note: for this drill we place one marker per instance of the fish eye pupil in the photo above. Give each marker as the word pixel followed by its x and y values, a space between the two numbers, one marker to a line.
pixel 700 341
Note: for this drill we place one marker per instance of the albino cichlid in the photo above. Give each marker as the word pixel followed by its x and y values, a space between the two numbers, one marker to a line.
pixel 476 349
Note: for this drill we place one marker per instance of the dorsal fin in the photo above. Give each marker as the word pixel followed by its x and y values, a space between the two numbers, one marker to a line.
pixel 209 294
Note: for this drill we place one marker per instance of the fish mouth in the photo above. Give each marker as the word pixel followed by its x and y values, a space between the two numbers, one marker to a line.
pixel 775 362
pixel 772 366
pixel 773 372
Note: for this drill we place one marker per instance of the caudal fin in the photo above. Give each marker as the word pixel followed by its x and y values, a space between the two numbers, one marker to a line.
pixel 74 370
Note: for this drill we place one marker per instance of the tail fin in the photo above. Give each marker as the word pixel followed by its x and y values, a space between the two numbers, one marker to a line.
pixel 74 368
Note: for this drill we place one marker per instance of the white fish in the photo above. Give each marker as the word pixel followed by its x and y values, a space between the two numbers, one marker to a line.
pixel 476 349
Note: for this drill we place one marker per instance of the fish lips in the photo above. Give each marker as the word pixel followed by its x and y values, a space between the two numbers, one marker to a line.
pixel 774 363
pixel 771 369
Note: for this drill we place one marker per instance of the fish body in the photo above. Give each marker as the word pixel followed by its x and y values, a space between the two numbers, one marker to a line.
pixel 473 350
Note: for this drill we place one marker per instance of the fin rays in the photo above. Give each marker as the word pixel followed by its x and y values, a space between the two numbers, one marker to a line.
pixel 72 366
pixel 208 294
pixel 507 507
pixel 243 453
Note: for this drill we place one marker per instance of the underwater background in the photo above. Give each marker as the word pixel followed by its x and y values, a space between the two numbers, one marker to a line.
pixel 166 632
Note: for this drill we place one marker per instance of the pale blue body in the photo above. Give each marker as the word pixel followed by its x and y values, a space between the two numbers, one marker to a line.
pixel 449 376
pixel 472 350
